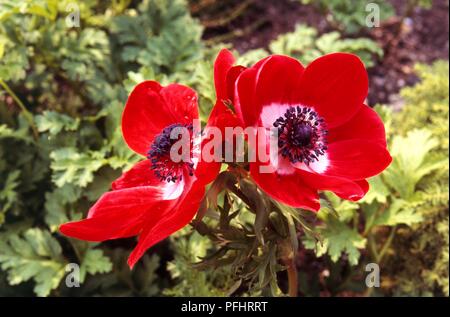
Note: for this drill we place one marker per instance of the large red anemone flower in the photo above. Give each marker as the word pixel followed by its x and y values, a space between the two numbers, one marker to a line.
pixel 328 139
pixel 157 196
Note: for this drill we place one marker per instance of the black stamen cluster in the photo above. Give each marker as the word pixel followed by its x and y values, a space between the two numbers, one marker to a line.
pixel 159 155
pixel 301 135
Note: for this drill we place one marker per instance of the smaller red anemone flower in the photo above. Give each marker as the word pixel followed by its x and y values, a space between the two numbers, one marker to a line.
pixel 157 196
pixel 327 138
pixel 223 115
pixel 225 75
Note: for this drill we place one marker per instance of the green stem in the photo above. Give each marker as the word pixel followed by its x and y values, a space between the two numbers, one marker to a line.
pixel 372 246
pixel 378 257
pixel 387 244
pixel 242 196
pixel 356 221
pixel 28 116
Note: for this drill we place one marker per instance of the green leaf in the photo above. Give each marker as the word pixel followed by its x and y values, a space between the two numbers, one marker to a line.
pixel 350 16
pixel 33 255
pixel 94 261
pixel 58 206
pixel 411 161
pixel 378 191
pixel 14 62
pixel 102 182
pixel 191 281
pixel 55 122
pixel 262 211
pixel 43 8
pixel 399 212
pixel 251 57
pixel 305 45
pixel 363 47
pixel 162 35
pixel 72 167
pixel 20 134
pixel 144 280
pixel 8 194
pixel 343 209
pixel 337 239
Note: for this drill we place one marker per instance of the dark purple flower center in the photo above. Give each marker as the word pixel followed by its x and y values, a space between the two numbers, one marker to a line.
pixel 301 135
pixel 159 154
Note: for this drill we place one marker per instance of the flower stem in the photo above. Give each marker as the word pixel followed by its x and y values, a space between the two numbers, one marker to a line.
pixel 28 116
pixel 372 247
pixel 292 276
pixel 292 279
pixel 387 244
pixel 242 196
pixel 379 256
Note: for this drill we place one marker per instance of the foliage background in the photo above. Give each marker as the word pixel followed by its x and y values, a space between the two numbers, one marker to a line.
pixel 62 91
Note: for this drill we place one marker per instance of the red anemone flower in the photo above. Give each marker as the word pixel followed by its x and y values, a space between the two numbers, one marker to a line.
pixel 327 138
pixel 225 75
pixel 158 195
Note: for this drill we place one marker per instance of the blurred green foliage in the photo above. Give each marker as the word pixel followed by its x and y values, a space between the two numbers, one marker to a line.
pixel 62 91
pixel 421 266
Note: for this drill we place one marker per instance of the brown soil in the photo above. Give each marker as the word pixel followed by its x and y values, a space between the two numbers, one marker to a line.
pixel 420 38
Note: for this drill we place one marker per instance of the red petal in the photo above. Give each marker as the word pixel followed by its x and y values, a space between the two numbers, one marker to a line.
pixel 365 125
pixel 116 214
pixel 103 228
pixel 245 106
pixel 363 184
pixel 139 175
pixel 356 159
pixel 336 86
pixel 206 172
pixel 144 116
pixel 181 102
pixel 344 188
pixel 221 117
pixel 272 80
pixel 278 81
pixel 232 76
pixel 225 76
pixel 288 189
pixel 129 200
pixel 222 65
pixel 244 94
pixel 150 108
pixel 173 220
pixel 364 187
